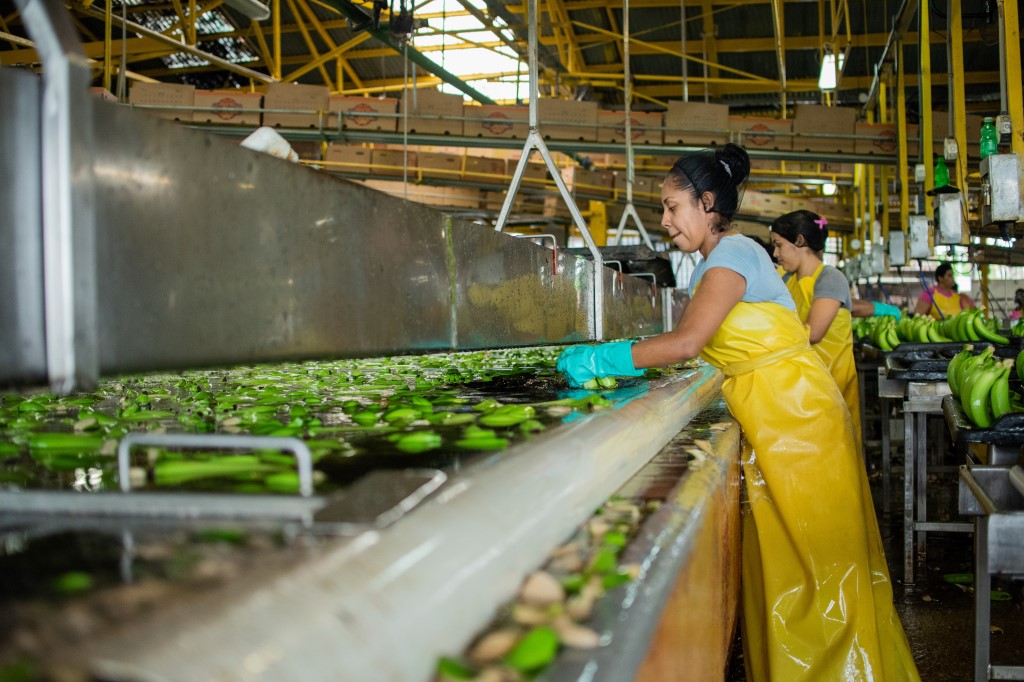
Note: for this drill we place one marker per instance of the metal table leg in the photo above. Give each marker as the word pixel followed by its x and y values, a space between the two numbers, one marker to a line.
pixel 908 495
pixel 982 605
pixel 886 457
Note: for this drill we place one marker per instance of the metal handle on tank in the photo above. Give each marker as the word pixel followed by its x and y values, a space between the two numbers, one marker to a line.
pixel 303 458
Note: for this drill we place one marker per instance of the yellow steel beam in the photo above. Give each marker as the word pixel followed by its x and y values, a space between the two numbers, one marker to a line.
pixel 276 12
pixel 261 41
pixel 957 93
pixel 337 51
pixel 925 86
pixel 901 136
pixel 1014 99
pixel 560 22
pixel 310 45
pixel 93 50
pixel 710 46
pixel 676 53
pixel 108 28
pixel 779 21
pixel 332 46
pixel 190 28
pixel 180 11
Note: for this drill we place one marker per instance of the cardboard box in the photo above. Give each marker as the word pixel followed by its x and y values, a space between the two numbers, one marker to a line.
pixel 534 175
pixel 292 96
pixel 646 188
pixel 753 132
pixel 347 158
pixel 484 169
pixel 442 197
pixel 443 166
pixel 491 120
pixel 431 113
pixel 645 127
pixel 562 119
pixel 362 113
pixel 940 131
pixel 392 162
pixel 164 95
pixel 813 119
pixel 233 107
pixel 696 123
pixel 588 183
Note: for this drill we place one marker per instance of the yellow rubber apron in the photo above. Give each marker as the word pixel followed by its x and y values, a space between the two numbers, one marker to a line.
pixel 949 305
pixel 835 348
pixel 817 602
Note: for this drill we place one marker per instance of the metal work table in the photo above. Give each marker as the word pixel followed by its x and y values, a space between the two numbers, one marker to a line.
pixel 994 496
pixel 920 399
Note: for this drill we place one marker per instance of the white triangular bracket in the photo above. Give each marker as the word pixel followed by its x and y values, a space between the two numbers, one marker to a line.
pixel 535 141
pixel 629 210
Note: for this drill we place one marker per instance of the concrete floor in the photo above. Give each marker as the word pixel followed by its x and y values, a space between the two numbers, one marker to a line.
pixel 937 615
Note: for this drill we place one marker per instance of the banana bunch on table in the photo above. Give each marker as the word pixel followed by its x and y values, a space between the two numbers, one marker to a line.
pixel 981 382
pixel 969 325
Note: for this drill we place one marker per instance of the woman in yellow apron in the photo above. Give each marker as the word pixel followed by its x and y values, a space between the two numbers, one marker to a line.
pixel 822 297
pixel 817 602
pixel 942 300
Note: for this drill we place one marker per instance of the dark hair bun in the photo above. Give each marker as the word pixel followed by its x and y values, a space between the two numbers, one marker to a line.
pixel 736 159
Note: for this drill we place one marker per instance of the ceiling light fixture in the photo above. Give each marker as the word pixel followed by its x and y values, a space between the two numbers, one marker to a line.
pixel 255 10
pixel 830 69
pixel 828 189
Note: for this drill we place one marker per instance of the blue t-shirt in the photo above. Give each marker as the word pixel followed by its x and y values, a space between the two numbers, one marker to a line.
pixel 749 259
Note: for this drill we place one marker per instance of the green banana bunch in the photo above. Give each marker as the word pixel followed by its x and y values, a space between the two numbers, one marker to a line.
pixel 977 320
pixel 1018 328
pixel 952 375
pixel 968 367
pixel 885 335
pixel 976 390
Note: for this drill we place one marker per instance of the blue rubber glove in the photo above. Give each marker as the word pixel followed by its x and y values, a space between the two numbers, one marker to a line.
pixel 884 309
pixel 580 364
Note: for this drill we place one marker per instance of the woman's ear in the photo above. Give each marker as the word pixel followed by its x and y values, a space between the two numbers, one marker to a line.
pixel 800 241
pixel 707 200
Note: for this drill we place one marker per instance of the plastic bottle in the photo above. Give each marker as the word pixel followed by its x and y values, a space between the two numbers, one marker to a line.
pixel 989 137
pixel 941 172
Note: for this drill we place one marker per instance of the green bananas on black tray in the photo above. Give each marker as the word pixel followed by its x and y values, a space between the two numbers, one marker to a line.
pixel 981 382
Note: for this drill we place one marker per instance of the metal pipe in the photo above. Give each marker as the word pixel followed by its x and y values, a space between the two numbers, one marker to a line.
pixel 901 22
pixel 682 49
pixel 69 268
pixel 1002 57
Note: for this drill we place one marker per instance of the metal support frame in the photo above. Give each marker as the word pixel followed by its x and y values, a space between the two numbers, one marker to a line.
pixel 69 269
pixel 534 141
pixel 629 210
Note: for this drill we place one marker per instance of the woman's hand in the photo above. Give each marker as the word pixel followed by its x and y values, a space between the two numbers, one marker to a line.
pixel 581 363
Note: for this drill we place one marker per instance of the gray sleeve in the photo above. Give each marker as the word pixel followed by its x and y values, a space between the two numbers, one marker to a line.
pixel 832 284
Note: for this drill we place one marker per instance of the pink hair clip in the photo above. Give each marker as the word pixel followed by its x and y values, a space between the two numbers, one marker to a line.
pixel 822 222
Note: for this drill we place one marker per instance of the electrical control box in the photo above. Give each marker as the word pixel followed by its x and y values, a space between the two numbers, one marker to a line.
pixel 897 249
pixel 877 259
pixel 949 217
pixel 1002 177
pixel 918 234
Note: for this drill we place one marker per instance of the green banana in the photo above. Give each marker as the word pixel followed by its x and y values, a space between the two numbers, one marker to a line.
pixel 952 378
pixel 880 337
pixel 984 332
pixel 977 390
pixel 893 337
pixel 967 327
pixel 1000 394
pixel 1019 365
pixel 968 368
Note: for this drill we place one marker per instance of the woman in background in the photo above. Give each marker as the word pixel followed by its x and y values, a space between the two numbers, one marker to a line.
pixel 943 300
pixel 822 297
